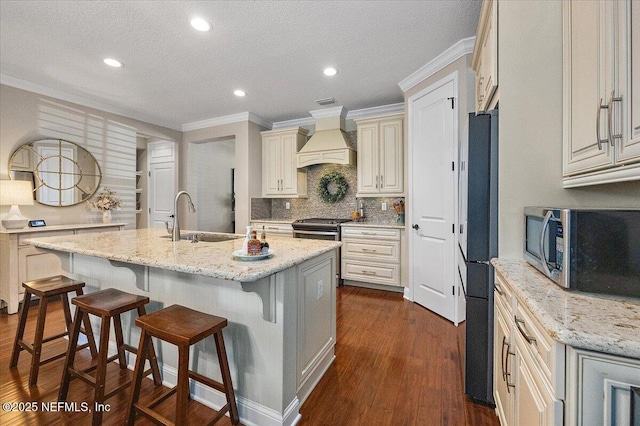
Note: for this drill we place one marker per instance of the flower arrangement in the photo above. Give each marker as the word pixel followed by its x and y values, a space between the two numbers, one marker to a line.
pixel 398 205
pixel 106 201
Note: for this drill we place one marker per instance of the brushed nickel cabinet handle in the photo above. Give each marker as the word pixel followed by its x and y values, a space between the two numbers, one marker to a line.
pixel 369 250
pixel 498 289
pixel 368 272
pixel 613 99
pixel 600 106
pixel 526 335
pixel 381 181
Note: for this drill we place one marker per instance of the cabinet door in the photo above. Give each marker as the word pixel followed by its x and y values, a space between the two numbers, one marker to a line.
pixel 288 169
pixel 603 384
pixel 502 393
pixel 391 159
pixel 627 111
pixel 368 176
pixel 588 59
pixel 533 403
pixel 271 165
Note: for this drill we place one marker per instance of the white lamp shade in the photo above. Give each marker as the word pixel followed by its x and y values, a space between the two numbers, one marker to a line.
pixel 16 192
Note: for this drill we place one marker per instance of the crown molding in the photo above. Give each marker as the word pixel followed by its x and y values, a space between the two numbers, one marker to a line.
pixel 455 52
pixel 376 111
pixel 29 86
pixel 227 119
pixel 297 122
pixel 338 111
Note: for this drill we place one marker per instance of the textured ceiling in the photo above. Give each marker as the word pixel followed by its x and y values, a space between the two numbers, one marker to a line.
pixel 274 50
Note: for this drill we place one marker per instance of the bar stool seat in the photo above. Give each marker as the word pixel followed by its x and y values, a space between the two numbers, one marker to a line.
pixel 107 304
pixel 46 289
pixel 182 327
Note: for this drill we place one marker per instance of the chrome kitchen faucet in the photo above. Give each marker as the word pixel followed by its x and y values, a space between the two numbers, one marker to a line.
pixel 175 235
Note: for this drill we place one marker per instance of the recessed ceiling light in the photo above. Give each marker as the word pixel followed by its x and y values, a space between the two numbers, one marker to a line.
pixel 112 62
pixel 330 71
pixel 200 24
pixel 239 92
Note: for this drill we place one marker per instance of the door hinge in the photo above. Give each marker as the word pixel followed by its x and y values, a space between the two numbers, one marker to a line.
pixel 461 228
pixel 453 228
pixel 452 101
pixel 453 165
pixel 453 290
pixel 149 210
pixel 149 174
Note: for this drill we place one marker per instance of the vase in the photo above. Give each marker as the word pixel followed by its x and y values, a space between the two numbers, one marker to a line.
pixel 106 216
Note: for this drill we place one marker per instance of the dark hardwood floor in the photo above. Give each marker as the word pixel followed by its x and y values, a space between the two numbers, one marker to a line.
pixel 396 364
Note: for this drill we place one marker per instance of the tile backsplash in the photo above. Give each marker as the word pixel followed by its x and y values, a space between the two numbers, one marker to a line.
pixel 314 206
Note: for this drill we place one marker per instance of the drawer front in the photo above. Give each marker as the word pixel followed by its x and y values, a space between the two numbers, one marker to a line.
pixel 371 272
pixel 384 251
pixel 23 237
pixel 502 295
pixel 277 229
pixel 370 233
pixel 540 345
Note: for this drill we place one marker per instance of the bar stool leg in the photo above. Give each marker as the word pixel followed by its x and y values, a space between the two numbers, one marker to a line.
pixel 117 325
pixel 138 374
pixel 37 342
pixel 24 312
pixel 226 377
pixel 101 372
pixel 71 355
pixel 182 395
pixel 151 355
pixel 88 331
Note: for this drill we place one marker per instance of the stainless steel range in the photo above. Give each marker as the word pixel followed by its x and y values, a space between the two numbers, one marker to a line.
pixel 321 229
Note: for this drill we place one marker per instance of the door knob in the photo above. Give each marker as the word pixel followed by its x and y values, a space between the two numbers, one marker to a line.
pixel 415 226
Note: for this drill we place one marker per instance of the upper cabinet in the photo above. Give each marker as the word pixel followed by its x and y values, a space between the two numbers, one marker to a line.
pixel 380 156
pixel 485 57
pixel 601 106
pixel 280 177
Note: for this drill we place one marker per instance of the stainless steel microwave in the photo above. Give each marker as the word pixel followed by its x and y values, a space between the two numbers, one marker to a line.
pixel 586 249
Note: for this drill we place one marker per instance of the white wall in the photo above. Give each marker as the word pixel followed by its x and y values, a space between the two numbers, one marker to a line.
pixel 111 139
pixel 210 165
pixel 530 79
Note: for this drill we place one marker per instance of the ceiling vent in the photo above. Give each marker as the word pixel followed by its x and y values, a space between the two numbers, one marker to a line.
pixel 329 143
pixel 326 101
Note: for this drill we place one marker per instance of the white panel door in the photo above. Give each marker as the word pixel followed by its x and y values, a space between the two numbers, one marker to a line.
pixel 432 201
pixel 161 193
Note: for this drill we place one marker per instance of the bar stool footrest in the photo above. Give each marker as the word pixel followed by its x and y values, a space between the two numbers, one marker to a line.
pixel 207 381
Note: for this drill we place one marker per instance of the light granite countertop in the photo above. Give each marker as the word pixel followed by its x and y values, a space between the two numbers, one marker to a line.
pixel 284 221
pixel 27 229
pixel 151 247
pixel 609 324
pixel 374 224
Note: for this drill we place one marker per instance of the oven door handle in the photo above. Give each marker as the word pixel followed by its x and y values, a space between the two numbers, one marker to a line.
pixel 314 233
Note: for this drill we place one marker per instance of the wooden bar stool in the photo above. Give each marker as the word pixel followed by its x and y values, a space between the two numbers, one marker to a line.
pixel 106 304
pixel 182 327
pixel 45 289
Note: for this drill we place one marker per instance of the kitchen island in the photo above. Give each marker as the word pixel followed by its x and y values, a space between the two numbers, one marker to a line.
pixel 281 310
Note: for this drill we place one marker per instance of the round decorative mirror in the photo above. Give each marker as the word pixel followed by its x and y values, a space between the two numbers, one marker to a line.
pixel 62 172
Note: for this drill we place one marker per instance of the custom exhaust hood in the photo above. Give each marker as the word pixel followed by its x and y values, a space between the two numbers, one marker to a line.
pixel 329 143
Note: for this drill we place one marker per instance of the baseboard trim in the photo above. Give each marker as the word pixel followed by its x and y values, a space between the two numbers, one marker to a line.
pixel 374 286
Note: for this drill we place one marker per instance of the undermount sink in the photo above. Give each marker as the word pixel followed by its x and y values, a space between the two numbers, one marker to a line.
pixel 208 238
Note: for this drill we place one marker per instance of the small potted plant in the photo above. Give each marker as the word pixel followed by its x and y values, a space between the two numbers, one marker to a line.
pixel 106 202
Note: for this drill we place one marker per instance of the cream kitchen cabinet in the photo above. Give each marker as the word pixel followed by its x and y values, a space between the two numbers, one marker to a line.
pixel 371 254
pixel 20 262
pixel 528 365
pixel 485 57
pixel 380 156
pixel 601 105
pixel 275 229
pixel 600 388
pixel 280 176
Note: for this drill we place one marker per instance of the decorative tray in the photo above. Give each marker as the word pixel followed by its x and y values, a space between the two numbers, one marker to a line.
pixel 238 254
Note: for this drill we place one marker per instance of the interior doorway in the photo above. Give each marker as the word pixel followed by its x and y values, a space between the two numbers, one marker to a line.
pixel 211 183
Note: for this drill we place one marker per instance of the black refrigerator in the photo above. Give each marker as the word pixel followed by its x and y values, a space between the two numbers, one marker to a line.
pixel 477 249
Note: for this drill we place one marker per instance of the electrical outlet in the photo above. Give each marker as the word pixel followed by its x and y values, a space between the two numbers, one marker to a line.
pixel 319 286
pixel 384 206
pixel 287 205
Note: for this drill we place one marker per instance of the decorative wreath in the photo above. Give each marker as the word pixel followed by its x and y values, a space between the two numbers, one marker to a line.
pixel 341 187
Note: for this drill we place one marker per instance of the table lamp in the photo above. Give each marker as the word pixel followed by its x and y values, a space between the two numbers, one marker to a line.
pixel 15 193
